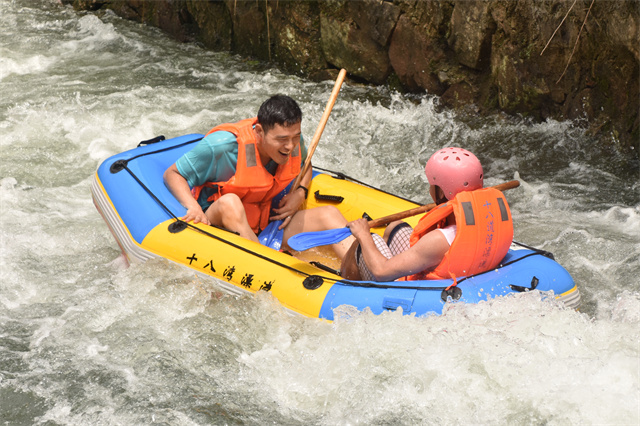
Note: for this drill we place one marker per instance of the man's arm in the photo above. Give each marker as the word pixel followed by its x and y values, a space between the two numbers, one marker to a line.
pixel 179 187
pixel 305 181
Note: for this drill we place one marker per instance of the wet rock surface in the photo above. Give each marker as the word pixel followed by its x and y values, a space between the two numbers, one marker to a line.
pixel 540 59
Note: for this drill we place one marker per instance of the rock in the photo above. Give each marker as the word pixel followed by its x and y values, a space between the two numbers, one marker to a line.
pixel 355 36
pixel 471 30
pixel 295 35
pixel 460 95
pixel 213 23
pixel 483 55
pixel 250 36
pixel 411 54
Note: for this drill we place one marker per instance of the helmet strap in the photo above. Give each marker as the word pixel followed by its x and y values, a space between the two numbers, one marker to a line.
pixel 440 198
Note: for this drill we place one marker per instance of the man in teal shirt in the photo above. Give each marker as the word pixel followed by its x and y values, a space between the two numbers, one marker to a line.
pixel 276 137
pixel 214 160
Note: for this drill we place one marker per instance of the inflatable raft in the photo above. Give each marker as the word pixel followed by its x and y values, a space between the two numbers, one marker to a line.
pixel 129 192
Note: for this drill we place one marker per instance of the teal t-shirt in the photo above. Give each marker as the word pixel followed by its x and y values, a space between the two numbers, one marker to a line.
pixel 214 159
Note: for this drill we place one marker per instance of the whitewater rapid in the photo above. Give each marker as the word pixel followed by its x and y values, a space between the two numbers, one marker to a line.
pixel 86 340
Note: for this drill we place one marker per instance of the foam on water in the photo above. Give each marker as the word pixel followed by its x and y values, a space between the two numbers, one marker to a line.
pixel 86 340
pixel 524 356
pixel 473 357
pixel 30 65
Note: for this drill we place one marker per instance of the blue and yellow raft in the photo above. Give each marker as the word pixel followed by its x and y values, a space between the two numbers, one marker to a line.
pixel 129 192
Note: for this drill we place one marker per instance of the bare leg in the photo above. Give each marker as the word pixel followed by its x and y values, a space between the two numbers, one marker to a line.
pixel 319 219
pixel 349 267
pixel 229 213
pixel 390 228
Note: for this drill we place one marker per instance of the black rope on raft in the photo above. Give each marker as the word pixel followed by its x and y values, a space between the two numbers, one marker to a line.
pixel 542 252
pixel 406 287
pixel 169 148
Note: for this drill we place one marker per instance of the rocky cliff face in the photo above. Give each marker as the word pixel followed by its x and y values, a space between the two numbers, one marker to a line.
pixel 544 59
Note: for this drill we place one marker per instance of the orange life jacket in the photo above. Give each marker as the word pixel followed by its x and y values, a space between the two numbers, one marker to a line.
pixel 483 237
pixel 255 186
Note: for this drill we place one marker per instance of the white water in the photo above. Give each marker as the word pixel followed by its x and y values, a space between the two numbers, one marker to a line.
pixel 84 340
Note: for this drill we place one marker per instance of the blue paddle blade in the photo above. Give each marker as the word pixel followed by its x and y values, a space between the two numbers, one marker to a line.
pixel 271 236
pixel 307 240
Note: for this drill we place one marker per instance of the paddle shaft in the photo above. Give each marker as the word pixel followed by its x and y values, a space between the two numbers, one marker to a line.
pixel 375 223
pixel 320 129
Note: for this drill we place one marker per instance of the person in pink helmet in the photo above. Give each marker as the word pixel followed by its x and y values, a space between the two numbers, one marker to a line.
pixel 469 232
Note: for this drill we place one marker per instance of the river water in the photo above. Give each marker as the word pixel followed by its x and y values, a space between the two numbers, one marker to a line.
pixel 86 340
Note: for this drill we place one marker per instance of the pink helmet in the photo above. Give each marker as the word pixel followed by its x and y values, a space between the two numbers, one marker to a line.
pixel 454 170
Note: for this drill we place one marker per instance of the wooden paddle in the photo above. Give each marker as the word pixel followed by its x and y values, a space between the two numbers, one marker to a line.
pixel 307 240
pixel 271 236
pixel 320 129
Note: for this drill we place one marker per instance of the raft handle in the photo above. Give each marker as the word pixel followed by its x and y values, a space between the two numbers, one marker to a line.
pixel 393 303
pixel 152 141
pixel 330 198
pixel 324 267
pixel 519 288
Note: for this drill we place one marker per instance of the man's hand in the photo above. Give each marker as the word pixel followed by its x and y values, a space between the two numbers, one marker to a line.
pixel 196 215
pixel 179 187
pixel 359 228
pixel 288 206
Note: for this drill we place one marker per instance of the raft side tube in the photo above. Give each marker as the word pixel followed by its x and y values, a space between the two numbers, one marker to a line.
pixel 377 300
pixel 530 271
pixel 123 190
pixel 129 247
